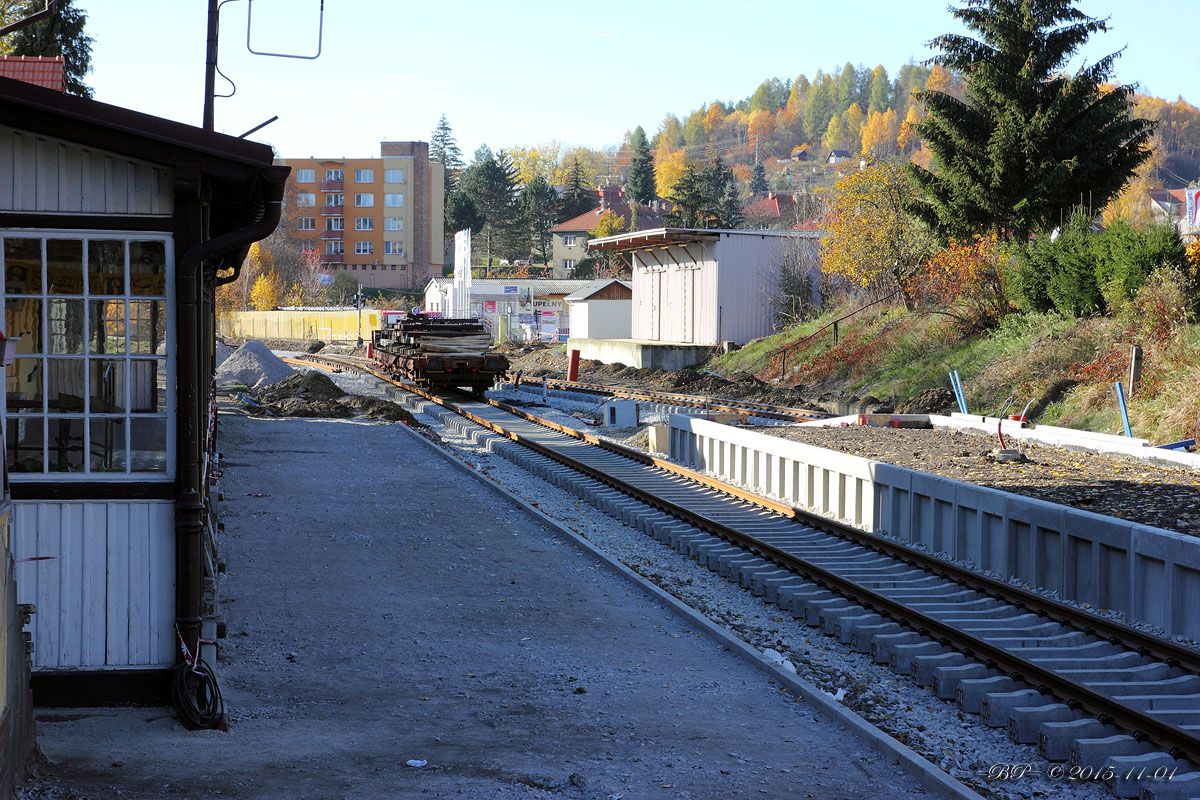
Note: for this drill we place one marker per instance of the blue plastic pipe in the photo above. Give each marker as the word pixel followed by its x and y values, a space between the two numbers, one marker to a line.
pixel 1124 410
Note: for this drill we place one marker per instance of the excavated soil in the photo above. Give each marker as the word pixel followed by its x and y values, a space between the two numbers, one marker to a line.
pixel 309 393
pixel 1124 487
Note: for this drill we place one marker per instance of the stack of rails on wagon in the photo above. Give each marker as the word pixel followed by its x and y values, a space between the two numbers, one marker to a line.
pixel 438 352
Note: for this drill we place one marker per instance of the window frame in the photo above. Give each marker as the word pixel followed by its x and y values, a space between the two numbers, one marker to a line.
pixel 393 248
pixel 169 413
pixel 358 199
pixel 393 172
pixel 306 223
pixel 306 175
pixel 302 196
pixel 388 202
pixel 398 226
pixel 364 175
pixel 335 174
pixel 360 250
pixel 364 223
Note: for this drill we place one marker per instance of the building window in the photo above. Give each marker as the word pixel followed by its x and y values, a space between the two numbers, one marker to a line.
pixel 393 176
pixel 393 223
pixel 393 248
pixel 393 200
pixel 306 249
pixel 364 223
pixel 568 263
pixel 335 223
pixel 364 248
pixel 306 175
pixel 306 199
pixel 335 199
pixel 374 267
pixel 91 391
pixel 335 174
pixel 364 200
pixel 393 267
pixel 335 248
pixel 306 223
pixel 364 176
pixel 569 239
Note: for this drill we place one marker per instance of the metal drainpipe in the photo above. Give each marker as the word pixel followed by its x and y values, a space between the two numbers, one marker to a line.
pixel 189 509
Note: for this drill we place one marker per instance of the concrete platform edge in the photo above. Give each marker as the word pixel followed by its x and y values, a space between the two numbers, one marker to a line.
pixel 924 771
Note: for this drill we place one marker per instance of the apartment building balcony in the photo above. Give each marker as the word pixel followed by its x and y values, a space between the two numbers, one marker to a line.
pixel 332 186
pixel 331 259
pixel 332 234
pixel 332 211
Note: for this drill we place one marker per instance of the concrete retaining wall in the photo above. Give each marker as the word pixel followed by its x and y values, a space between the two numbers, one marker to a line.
pixel 1150 574
pixel 641 354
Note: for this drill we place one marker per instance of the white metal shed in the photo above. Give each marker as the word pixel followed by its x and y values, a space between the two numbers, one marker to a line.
pixel 705 287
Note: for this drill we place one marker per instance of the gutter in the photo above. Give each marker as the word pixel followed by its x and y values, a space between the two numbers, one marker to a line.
pixel 191 425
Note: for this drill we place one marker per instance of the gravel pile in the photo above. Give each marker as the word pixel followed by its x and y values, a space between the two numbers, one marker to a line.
pixel 224 351
pixel 309 393
pixel 1128 488
pixel 252 365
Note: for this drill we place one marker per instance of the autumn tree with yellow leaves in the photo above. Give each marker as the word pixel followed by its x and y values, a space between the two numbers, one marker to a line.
pixel 872 240
pixel 267 291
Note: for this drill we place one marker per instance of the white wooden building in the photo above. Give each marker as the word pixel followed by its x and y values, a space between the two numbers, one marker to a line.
pixel 705 287
pixel 114 229
pixel 601 310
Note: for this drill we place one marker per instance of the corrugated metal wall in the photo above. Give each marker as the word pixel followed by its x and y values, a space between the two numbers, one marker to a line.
pixel 328 326
pixel 104 584
pixel 746 283
pixel 38 173
pixel 675 300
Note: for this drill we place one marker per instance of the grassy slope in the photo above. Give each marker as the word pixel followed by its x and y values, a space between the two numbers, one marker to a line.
pixel 893 354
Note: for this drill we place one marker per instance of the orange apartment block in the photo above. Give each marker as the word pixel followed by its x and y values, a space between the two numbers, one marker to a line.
pixel 378 219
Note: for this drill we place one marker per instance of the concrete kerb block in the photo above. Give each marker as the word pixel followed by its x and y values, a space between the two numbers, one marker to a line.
pixel 996 707
pixel 813 609
pixel 847 625
pixel 829 616
pixel 794 600
pixel 883 644
pixel 768 585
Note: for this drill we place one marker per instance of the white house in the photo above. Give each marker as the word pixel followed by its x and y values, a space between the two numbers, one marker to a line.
pixel 535 306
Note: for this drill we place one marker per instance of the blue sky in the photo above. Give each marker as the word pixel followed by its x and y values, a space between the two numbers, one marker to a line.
pixel 530 71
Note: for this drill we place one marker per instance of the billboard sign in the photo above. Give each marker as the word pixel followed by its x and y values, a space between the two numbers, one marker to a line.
pixel 510 290
pixel 1193 207
pixel 462 257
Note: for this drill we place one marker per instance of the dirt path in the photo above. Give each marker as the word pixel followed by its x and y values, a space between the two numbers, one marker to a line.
pixel 383 606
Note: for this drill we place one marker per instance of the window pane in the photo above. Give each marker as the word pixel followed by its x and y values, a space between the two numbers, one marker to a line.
pixel 25 439
pixel 23 317
pixel 147 385
pixel 23 384
pixel 108 445
pixel 148 268
pixel 66 444
pixel 106 267
pixel 147 326
pixel 65 385
pixel 148 443
pixel 66 326
pixel 23 266
pixel 107 321
pixel 64 266
pixel 106 387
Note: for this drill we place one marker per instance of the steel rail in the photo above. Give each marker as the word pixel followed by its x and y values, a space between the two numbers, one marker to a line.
pixel 721 404
pixel 1178 742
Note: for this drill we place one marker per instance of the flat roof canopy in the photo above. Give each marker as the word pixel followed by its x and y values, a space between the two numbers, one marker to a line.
pixel 665 237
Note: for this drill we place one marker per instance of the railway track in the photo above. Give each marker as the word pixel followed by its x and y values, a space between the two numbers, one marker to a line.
pixel 742 408
pixel 1107 701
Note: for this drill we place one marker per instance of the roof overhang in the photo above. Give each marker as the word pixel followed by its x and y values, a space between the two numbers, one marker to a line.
pixel 666 237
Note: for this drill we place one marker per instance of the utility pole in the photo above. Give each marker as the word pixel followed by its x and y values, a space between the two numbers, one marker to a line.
pixel 210 65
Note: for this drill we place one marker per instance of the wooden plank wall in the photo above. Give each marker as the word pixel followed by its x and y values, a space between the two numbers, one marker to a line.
pixel 41 174
pixel 105 593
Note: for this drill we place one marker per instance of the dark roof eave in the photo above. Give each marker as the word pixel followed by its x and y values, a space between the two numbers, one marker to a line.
pixel 127 132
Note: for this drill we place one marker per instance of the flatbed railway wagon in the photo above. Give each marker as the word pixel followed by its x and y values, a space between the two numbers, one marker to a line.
pixel 438 353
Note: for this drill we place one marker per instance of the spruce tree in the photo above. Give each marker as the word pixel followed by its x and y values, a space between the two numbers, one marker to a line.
pixel 689 200
pixel 1030 142
pixel 577 196
pixel 60 35
pixel 640 184
pixel 443 148
pixel 758 179
pixel 490 182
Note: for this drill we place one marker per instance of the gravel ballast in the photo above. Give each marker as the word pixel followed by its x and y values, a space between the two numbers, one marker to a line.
pixel 1123 487
pixel 957 742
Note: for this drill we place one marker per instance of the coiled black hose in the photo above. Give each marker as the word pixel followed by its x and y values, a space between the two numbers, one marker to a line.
pixel 197 697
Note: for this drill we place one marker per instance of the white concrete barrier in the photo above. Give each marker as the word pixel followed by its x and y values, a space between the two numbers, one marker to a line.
pixel 1150 574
